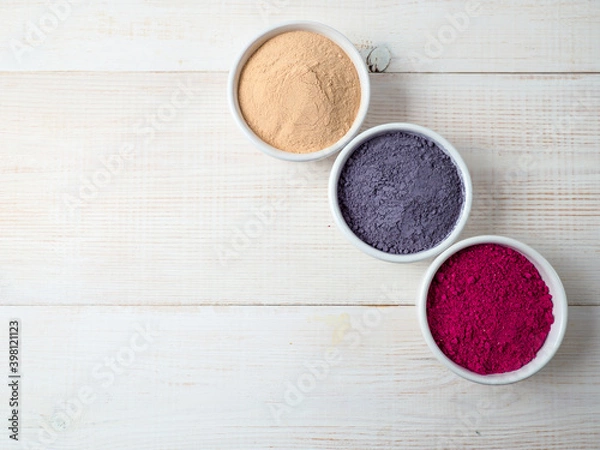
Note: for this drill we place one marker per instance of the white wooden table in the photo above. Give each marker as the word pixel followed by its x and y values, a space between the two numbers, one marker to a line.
pixel 177 289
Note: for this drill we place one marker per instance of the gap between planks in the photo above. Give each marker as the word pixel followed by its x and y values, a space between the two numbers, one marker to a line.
pixel 230 304
pixel 49 72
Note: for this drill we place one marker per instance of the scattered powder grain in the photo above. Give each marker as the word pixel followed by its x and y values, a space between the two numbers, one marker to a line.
pixel 299 92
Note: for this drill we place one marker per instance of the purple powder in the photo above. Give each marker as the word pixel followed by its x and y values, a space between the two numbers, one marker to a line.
pixel 400 193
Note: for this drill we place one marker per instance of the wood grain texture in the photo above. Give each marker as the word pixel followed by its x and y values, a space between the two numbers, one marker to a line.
pixel 214 377
pixel 179 290
pixel 195 215
pixel 423 36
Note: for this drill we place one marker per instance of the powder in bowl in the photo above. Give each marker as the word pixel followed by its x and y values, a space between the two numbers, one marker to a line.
pixel 488 309
pixel 400 193
pixel 299 92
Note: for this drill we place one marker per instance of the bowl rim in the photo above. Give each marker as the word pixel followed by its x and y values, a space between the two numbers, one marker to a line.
pixel 446 146
pixel 299 25
pixel 559 309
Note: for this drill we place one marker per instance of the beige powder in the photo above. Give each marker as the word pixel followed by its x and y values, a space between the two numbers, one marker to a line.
pixel 299 92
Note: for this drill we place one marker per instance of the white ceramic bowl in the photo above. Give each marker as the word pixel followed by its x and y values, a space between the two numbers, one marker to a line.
pixel 559 310
pixel 420 131
pixel 315 27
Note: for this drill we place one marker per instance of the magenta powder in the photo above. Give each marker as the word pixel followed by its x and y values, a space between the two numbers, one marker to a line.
pixel 489 309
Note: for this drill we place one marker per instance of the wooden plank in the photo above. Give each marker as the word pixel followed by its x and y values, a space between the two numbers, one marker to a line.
pixel 219 377
pixel 192 214
pixel 424 36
